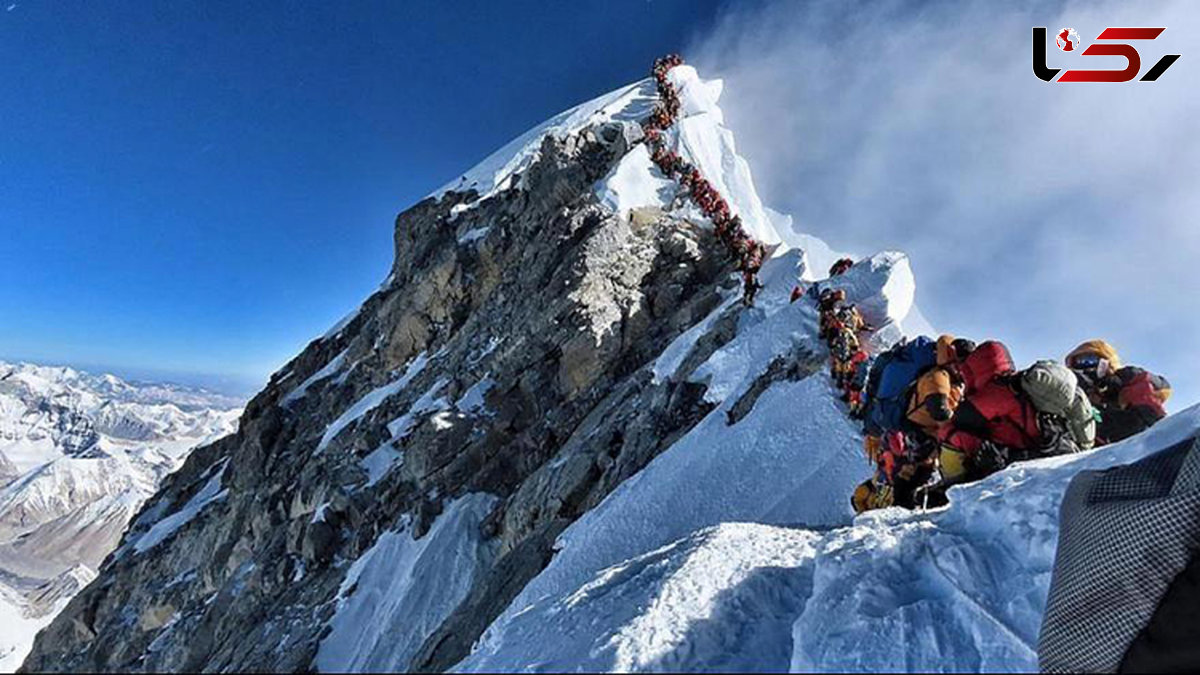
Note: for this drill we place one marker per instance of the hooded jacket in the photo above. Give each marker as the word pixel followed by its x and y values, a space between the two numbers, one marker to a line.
pixel 991 410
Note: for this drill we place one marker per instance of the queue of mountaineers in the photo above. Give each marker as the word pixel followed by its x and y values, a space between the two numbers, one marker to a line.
pixel 745 250
pixel 935 412
pixel 944 411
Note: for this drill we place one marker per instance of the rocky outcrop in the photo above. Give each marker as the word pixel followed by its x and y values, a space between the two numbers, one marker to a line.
pixel 509 353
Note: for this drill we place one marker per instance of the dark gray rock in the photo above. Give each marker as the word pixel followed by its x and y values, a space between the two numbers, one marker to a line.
pixel 561 304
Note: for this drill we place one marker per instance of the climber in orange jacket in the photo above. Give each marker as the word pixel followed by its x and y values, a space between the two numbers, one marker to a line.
pixel 934 400
pixel 937 392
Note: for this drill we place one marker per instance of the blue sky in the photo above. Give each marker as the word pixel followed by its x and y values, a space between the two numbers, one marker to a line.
pixel 201 188
pixel 196 190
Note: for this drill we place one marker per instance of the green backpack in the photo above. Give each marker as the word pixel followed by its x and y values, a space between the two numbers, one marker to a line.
pixel 1053 389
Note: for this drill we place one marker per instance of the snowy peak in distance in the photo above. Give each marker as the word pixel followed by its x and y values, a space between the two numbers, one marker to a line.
pixel 79 454
pixel 65 380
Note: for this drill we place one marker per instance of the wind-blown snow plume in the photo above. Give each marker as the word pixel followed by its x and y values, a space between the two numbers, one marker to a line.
pixel 1041 214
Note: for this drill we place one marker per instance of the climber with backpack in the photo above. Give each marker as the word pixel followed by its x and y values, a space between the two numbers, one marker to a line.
pixel 1065 415
pixel 1129 399
pixel 913 390
pixel 750 262
pixel 1008 416
pixel 846 351
pixel 888 382
pixel 993 423
pixel 906 462
pixel 935 395
pixel 827 305
pixel 856 385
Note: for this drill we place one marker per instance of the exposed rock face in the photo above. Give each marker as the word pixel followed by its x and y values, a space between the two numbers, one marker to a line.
pixel 508 354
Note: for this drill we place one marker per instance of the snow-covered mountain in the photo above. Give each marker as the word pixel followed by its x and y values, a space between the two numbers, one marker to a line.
pixel 79 453
pixel 555 439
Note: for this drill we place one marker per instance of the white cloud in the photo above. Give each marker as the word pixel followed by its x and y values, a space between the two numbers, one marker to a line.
pixel 1038 213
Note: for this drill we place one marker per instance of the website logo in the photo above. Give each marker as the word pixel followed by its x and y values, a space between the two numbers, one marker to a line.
pixel 1105 44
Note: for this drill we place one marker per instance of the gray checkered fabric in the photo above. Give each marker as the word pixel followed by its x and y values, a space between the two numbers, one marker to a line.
pixel 1124 535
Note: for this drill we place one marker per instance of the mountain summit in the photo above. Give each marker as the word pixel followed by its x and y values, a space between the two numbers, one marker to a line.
pixel 556 438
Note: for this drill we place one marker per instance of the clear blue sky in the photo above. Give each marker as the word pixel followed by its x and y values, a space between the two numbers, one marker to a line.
pixel 191 188
pixel 203 187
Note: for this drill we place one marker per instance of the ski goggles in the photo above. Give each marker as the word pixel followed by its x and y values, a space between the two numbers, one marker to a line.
pixel 1086 362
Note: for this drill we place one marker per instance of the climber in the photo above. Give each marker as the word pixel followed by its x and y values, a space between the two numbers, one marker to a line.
pixel 936 393
pixel 1007 416
pixel 905 462
pixel 750 288
pixel 914 388
pixel 857 384
pixel 830 299
pixel 934 399
pixel 992 421
pixel 1129 399
pixel 844 346
pixel 842 326
pixel 890 377
pixel 840 267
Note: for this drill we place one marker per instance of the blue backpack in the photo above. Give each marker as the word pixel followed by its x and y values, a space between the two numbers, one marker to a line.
pixel 890 377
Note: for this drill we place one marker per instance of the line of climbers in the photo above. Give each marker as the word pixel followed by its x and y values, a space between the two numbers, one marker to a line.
pixel 841 327
pixel 937 413
pixel 748 252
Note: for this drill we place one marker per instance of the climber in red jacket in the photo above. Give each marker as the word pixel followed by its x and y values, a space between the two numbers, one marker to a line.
pixel 994 424
pixel 841 267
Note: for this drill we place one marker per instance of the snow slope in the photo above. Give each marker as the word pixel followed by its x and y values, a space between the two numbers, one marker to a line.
pixel 792 460
pixel 960 589
pixel 79 454
pixel 18 629
pixel 405 582
pixel 631 103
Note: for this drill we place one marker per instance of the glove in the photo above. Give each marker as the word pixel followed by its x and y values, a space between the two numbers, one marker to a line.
pixel 883 497
pixel 990 458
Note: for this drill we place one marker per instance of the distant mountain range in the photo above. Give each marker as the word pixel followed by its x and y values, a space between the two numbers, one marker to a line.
pixel 79 453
